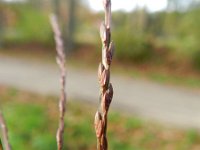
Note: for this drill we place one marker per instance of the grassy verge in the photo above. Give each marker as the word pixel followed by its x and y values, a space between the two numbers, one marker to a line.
pixel 160 75
pixel 32 123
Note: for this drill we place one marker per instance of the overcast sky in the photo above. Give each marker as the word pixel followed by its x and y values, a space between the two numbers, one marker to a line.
pixel 128 5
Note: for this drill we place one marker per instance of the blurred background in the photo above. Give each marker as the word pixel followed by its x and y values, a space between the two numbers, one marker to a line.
pixel 155 72
pixel 161 33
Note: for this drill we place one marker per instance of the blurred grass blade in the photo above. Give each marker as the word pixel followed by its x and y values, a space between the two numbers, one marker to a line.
pixel 4 133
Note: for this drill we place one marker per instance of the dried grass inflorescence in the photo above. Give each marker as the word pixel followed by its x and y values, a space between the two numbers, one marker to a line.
pixel 106 90
pixel 4 132
pixel 61 63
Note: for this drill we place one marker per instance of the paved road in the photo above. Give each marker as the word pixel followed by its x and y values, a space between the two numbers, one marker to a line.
pixel 165 104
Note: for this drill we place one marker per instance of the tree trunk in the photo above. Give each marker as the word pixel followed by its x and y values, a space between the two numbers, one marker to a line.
pixel 1 28
pixel 70 26
pixel 56 8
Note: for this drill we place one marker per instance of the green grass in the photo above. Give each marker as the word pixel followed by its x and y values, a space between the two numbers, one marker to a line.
pixel 32 123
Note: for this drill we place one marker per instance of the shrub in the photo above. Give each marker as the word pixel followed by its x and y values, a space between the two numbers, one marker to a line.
pixel 131 47
pixel 196 59
pixel 27 25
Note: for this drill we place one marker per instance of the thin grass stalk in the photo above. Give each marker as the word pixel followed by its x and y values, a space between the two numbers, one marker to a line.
pixel 4 133
pixel 106 89
pixel 61 63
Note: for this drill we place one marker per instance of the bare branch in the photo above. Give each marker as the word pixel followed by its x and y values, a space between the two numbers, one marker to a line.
pixel 61 63
pixel 4 132
pixel 104 79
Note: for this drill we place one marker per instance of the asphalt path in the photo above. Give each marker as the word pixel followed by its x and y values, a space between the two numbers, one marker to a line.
pixel 166 104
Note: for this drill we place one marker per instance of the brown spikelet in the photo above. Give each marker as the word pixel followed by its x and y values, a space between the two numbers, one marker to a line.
pixel 106 88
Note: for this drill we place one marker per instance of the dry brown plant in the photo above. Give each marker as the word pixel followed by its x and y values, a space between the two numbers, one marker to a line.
pixel 106 89
pixel 4 133
pixel 61 63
